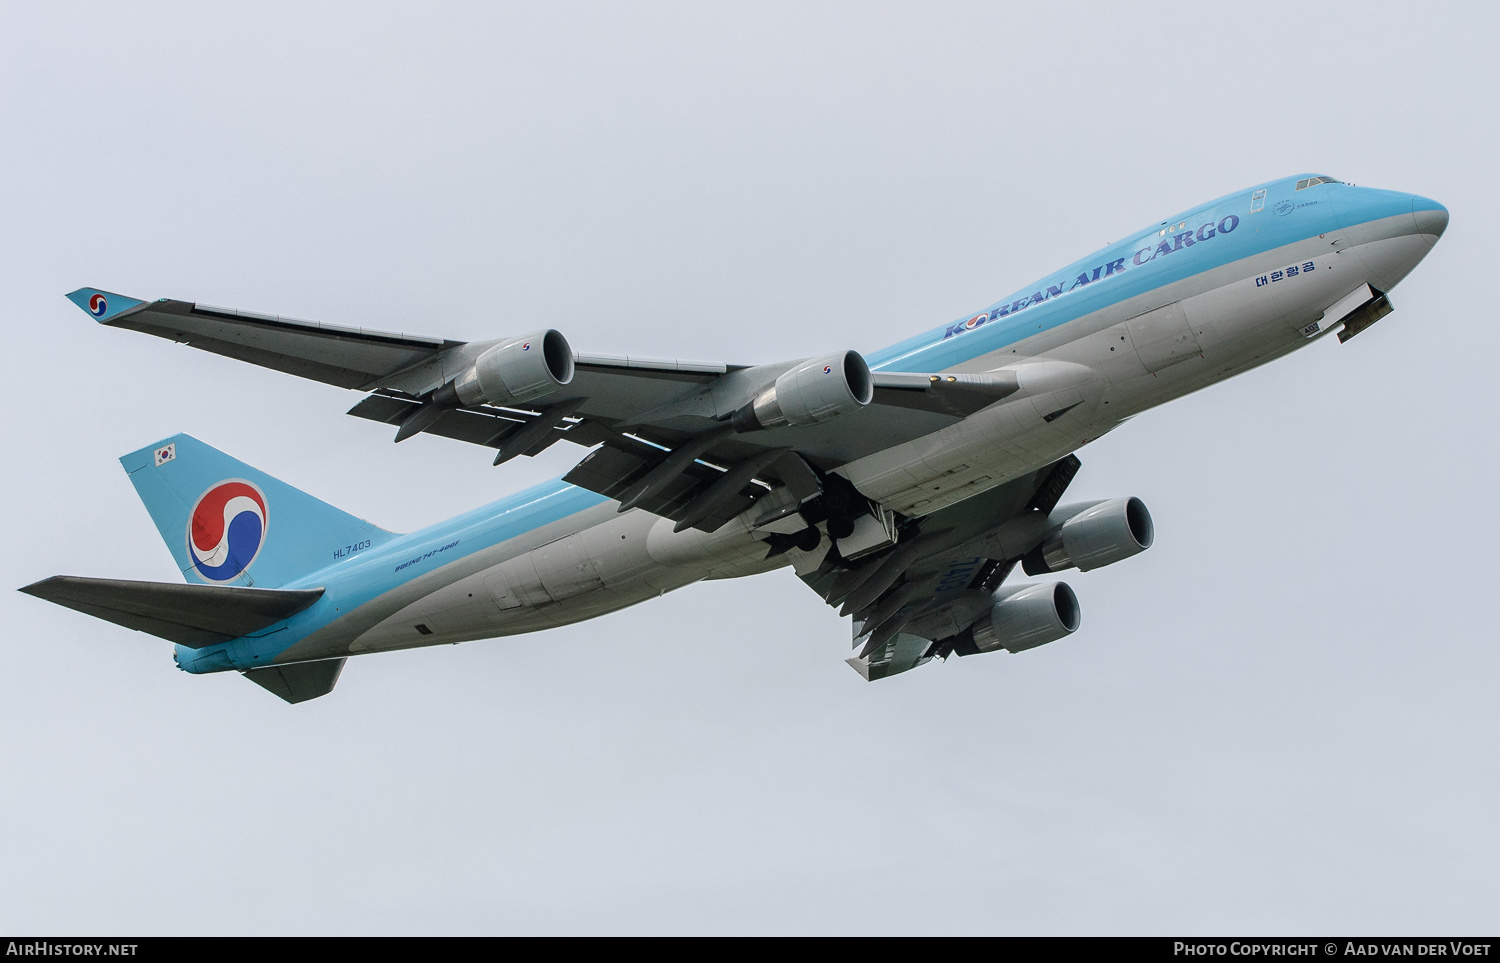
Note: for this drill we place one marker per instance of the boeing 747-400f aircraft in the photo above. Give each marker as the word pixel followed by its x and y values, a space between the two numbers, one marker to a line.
pixel 903 486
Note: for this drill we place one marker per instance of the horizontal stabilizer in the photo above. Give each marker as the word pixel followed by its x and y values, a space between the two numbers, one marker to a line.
pixel 299 681
pixel 191 615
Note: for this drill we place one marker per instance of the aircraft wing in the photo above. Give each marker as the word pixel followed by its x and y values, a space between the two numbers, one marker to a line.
pixel 347 357
pixel 940 576
pixel 635 412
pixel 664 402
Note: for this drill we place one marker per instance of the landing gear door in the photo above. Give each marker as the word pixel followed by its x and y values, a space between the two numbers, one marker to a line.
pixel 1162 337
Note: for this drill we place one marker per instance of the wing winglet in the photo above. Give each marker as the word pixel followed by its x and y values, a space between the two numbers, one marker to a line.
pixel 103 305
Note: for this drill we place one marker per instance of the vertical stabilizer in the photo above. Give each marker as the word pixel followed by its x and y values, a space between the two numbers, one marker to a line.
pixel 229 524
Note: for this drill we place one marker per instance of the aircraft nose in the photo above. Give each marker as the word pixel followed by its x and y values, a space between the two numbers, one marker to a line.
pixel 1432 218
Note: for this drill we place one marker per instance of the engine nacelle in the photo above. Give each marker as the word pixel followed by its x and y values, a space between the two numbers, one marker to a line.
pixel 1024 618
pixel 812 392
pixel 515 371
pixel 1099 535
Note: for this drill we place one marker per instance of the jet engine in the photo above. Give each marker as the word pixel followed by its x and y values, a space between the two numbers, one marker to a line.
pixel 1098 535
pixel 513 371
pixel 1023 618
pixel 812 392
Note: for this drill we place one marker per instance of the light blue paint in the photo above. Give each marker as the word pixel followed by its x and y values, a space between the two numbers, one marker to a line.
pixel 1313 214
pixel 102 305
pixel 363 576
pixel 301 533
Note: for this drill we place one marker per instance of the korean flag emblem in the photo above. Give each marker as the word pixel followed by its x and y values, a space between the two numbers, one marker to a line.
pixel 165 454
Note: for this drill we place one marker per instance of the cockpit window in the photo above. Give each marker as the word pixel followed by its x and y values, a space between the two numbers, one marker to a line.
pixel 1321 179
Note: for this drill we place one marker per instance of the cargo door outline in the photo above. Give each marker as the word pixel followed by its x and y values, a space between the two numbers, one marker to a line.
pixel 1162 338
pixel 516 584
pixel 565 568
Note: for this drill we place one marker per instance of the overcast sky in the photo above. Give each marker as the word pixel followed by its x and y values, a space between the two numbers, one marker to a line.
pixel 1281 719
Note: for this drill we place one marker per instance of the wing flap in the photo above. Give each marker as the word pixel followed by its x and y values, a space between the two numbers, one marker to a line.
pixel 616 465
pixel 486 425
pixel 476 426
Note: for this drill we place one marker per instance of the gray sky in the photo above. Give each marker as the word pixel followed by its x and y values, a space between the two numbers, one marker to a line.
pixel 1281 719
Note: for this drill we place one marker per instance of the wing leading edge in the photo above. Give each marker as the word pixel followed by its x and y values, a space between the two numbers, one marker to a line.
pixel 637 413
pixel 346 357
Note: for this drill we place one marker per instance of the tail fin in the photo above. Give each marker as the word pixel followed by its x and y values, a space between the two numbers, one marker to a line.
pixel 229 524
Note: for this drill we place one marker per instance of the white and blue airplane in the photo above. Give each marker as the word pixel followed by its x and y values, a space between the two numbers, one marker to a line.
pixel 903 487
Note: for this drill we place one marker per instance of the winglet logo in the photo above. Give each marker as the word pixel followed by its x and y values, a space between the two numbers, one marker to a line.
pixel 226 529
pixel 98 305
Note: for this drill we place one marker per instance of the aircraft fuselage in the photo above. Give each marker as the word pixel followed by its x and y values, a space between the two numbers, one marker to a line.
pixel 1193 300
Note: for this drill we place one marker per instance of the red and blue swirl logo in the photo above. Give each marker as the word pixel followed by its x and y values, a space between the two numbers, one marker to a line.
pixel 98 305
pixel 226 529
